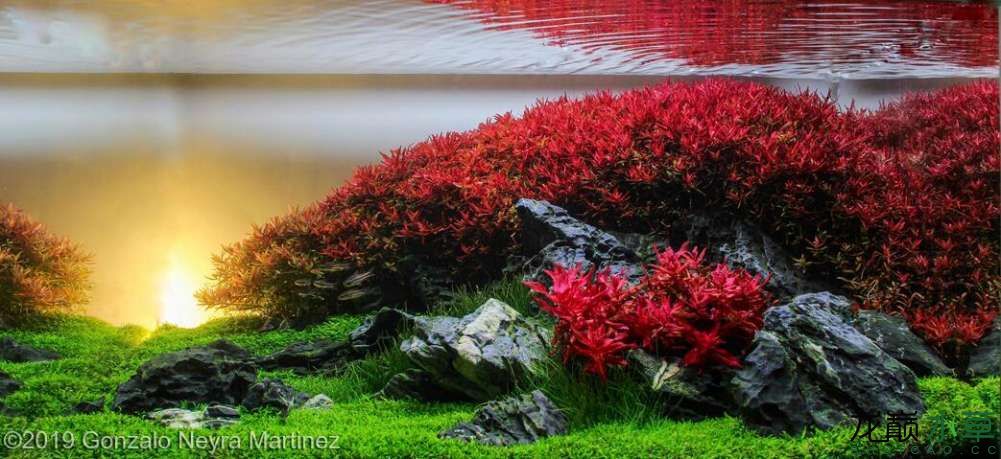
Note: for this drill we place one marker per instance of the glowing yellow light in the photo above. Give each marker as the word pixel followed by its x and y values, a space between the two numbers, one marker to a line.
pixel 177 299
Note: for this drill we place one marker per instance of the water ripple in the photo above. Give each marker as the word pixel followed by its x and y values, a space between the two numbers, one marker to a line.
pixel 849 39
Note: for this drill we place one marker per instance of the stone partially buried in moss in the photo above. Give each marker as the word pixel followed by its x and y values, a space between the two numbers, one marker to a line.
pixel 7 384
pixel 376 333
pixel 220 372
pixel 275 394
pixel 213 417
pixel 12 351
pixel 419 385
pixel 514 420
pixel 89 406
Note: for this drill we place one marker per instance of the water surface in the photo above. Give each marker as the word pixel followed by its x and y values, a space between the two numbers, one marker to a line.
pixel 855 39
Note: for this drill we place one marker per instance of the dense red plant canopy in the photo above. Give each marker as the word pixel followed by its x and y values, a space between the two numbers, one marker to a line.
pixel 39 272
pixel 706 316
pixel 926 202
pixel 900 204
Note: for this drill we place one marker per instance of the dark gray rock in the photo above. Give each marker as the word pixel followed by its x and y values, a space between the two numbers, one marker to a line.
pixel 551 236
pixel 222 411
pixel 377 332
pixel 220 372
pixel 894 337
pixel 11 351
pixel 309 357
pixel 835 304
pixel 809 368
pixel 89 406
pixel 273 393
pixel 985 360
pixel 743 245
pixel 689 394
pixel 513 420
pixel 8 385
pixel 419 385
pixel 480 355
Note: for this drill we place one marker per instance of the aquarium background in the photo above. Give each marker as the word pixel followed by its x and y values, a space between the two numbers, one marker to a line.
pixel 154 132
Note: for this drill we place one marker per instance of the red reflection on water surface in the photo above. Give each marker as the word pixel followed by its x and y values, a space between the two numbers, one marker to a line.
pixel 714 33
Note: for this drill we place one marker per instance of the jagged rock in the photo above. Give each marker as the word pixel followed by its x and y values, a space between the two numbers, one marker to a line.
pixel 480 355
pixel 89 406
pixel 379 330
pixel 419 385
pixel 177 418
pixel 643 245
pixel 809 368
pixel 690 394
pixel 273 393
pixel 8 385
pixel 220 372
pixel 222 411
pixel 308 357
pixel 11 351
pixel 894 337
pixel 835 304
pixel 744 245
pixel 986 357
pixel 318 402
pixel 513 420
pixel 551 236
pixel 375 333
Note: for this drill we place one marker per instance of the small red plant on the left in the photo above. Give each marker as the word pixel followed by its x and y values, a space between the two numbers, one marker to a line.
pixel 39 272
pixel 680 308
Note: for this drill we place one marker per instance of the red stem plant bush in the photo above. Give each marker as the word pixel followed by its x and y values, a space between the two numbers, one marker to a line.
pixel 924 202
pixel 39 272
pixel 900 204
pixel 680 307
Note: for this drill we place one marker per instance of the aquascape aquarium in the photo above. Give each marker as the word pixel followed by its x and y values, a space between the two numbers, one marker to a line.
pixel 404 228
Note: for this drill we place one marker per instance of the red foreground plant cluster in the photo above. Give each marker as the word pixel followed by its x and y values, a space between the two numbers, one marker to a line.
pixel 679 308
pixel 38 271
pixel 900 204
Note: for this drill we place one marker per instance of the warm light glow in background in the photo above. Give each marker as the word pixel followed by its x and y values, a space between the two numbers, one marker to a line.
pixel 158 173
pixel 177 296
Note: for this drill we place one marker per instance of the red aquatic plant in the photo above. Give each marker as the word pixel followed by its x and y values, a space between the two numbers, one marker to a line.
pixel 39 272
pixel 922 202
pixel 680 307
pixel 899 204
